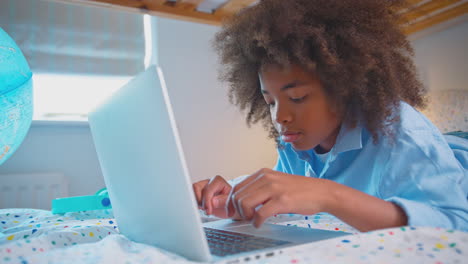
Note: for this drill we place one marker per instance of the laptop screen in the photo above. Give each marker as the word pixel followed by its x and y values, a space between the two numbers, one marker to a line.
pixel 142 161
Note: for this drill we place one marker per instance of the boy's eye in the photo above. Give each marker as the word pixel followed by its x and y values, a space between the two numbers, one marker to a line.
pixel 298 100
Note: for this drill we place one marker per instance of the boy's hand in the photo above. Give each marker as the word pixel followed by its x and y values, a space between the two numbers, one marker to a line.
pixel 268 192
pixel 212 196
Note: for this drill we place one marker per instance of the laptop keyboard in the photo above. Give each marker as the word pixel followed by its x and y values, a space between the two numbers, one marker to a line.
pixel 223 243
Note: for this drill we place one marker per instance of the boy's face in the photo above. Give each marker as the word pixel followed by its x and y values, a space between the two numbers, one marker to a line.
pixel 299 108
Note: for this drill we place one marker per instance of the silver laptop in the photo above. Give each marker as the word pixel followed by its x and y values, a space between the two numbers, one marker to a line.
pixel 142 160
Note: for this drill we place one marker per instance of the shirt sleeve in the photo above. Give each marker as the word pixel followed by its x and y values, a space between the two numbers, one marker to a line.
pixel 425 179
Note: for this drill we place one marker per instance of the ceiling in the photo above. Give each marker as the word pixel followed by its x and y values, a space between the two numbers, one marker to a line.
pixel 421 15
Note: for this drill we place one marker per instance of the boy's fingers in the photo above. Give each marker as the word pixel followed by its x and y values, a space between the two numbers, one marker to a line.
pixel 270 208
pixel 219 201
pixel 215 186
pixel 245 182
pixel 197 189
pixel 249 204
pixel 231 211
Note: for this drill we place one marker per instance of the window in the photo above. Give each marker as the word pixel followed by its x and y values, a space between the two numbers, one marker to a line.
pixel 71 97
pixel 79 55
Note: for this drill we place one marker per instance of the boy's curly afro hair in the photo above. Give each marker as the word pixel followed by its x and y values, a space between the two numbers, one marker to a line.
pixel 356 47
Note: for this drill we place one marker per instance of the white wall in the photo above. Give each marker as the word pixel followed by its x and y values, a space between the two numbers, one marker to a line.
pixel 441 55
pixel 65 148
pixel 214 134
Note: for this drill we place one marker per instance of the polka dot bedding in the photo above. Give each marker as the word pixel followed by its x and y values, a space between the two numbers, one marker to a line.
pixel 37 236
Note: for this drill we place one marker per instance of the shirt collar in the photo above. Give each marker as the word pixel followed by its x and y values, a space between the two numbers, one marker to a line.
pixel 349 138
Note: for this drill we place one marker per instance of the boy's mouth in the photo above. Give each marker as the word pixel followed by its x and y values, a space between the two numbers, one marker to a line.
pixel 290 137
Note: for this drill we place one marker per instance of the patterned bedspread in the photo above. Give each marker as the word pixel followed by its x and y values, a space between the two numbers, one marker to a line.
pixel 37 236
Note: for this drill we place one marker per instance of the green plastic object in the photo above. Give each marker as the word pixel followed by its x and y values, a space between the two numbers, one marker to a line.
pixel 82 203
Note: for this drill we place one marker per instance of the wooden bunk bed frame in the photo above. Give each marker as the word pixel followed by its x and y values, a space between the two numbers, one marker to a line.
pixel 419 15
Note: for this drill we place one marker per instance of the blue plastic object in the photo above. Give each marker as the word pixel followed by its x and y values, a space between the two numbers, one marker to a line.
pixel 16 104
pixel 82 203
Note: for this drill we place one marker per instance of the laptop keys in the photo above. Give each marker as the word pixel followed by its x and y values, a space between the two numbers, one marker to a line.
pixel 223 243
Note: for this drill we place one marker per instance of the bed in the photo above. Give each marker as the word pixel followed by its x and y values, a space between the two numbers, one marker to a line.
pixel 38 236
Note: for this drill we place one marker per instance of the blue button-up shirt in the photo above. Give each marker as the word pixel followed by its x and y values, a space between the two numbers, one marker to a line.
pixel 422 171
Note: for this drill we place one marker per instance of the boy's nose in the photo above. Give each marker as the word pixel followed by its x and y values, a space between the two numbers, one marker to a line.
pixel 282 115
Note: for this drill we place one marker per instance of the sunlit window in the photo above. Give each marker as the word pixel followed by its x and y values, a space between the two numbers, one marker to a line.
pixel 78 54
pixel 71 97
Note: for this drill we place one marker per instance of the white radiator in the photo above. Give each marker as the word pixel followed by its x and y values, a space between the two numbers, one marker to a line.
pixel 32 190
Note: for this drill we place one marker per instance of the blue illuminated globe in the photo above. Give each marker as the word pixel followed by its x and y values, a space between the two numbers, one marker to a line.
pixel 16 107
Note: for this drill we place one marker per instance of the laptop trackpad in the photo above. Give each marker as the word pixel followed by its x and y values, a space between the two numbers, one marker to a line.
pixel 288 233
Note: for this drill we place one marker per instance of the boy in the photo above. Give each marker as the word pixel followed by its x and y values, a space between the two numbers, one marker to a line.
pixel 333 82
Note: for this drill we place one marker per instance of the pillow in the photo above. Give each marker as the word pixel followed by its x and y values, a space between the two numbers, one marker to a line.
pixel 448 110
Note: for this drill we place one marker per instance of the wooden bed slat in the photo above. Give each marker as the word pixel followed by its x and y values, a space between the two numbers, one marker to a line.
pixel 427 8
pixel 233 6
pixel 188 4
pixel 436 19
pixel 151 8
